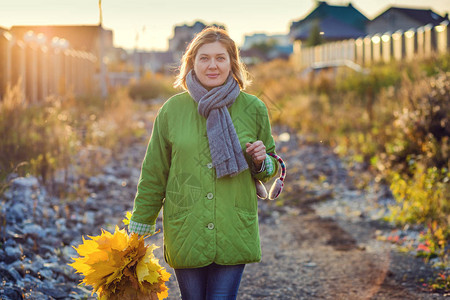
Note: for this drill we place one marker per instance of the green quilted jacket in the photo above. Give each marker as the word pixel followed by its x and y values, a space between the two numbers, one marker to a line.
pixel 205 219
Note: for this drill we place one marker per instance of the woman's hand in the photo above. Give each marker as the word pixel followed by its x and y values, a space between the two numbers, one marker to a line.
pixel 257 151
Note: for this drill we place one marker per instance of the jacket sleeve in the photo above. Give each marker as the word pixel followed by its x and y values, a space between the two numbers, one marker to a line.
pixel 151 188
pixel 270 168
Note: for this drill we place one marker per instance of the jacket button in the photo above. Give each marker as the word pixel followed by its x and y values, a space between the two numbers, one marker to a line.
pixel 211 226
pixel 210 165
pixel 210 196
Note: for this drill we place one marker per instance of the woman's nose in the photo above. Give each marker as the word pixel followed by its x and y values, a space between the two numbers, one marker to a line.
pixel 212 64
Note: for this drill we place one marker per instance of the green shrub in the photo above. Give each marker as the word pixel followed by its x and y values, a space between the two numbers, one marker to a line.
pixel 395 118
pixel 35 136
pixel 152 86
pixel 420 129
pixel 422 198
pixel 41 138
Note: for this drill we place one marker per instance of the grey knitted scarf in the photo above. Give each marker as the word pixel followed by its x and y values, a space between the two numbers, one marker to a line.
pixel 226 152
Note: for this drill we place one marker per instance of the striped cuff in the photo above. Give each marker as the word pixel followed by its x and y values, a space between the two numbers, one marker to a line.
pixel 270 168
pixel 141 229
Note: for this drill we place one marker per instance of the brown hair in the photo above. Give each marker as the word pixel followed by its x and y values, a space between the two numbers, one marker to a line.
pixel 206 36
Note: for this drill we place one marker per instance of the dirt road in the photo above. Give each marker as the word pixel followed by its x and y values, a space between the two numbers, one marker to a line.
pixel 312 251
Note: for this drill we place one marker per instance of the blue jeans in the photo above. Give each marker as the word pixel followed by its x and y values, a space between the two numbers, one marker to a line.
pixel 213 282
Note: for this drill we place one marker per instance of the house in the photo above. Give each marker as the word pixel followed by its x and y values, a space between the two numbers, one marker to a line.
pixel 262 47
pixel 262 38
pixel 326 23
pixel 332 22
pixel 400 18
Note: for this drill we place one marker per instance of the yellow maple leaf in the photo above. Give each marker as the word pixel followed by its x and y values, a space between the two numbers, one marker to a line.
pixel 163 294
pixel 96 257
pixel 80 265
pixel 147 268
pixel 127 219
pixel 87 247
pixel 164 275
pixel 119 240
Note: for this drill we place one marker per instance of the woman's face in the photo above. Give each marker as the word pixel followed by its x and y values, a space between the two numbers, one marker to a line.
pixel 212 65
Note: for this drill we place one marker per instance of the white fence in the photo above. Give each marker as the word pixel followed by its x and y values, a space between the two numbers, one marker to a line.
pixel 419 42
pixel 45 66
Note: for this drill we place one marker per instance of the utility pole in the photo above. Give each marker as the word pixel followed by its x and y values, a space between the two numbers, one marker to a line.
pixel 103 89
pixel 100 12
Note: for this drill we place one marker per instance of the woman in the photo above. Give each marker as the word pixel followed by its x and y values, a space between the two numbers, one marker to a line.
pixel 207 147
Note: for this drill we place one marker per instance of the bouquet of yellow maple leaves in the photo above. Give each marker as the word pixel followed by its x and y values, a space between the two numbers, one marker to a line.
pixel 121 266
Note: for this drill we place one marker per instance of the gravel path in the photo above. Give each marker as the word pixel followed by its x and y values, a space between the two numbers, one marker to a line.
pixel 319 240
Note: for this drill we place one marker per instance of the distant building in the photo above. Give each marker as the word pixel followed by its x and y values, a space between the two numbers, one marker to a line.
pixel 334 22
pixel 399 18
pixel 262 47
pixel 325 23
pixel 153 61
pixel 183 34
pixel 281 40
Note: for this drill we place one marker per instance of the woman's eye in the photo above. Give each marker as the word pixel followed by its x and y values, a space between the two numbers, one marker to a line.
pixel 203 58
pixel 221 58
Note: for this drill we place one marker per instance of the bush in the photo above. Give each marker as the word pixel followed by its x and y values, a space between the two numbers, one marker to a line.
pixel 421 127
pixel 36 137
pixel 45 137
pixel 395 118
pixel 152 86
pixel 422 198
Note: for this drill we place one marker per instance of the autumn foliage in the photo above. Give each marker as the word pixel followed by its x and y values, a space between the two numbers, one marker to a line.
pixel 121 266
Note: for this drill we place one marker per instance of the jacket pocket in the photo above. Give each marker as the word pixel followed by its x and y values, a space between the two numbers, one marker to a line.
pixel 247 226
pixel 175 237
pixel 245 199
pixel 247 219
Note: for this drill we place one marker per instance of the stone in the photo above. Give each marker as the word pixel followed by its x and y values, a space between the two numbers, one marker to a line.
pixel 37 295
pixel 109 170
pixel 30 242
pixel 52 239
pixel 54 293
pixel 69 252
pixel 112 180
pixel 91 204
pixel 25 190
pixel 7 276
pixel 96 183
pixel 69 235
pixel 25 183
pixel 34 230
pixel 12 254
pixel 11 293
pixel 60 224
pixel 123 172
pixel 16 213
pixel 46 273
pixel 38 263
pixel 310 264
pixel 89 218
pixel 46 250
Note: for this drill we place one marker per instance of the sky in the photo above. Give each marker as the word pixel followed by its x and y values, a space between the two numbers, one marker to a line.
pixel 148 24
